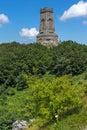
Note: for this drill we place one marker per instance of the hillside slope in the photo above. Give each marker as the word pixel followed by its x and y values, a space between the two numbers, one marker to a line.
pixel 40 82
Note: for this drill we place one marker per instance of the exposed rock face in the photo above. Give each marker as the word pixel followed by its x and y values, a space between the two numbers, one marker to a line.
pixel 47 34
pixel 85 128
pixel 19 125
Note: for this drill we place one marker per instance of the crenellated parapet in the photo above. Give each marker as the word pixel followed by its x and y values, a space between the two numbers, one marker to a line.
pixel 46 10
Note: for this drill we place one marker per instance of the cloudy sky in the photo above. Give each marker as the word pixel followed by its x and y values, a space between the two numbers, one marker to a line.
pixel 19 19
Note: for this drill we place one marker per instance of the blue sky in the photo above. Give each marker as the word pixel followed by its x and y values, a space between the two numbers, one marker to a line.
pixel 19 19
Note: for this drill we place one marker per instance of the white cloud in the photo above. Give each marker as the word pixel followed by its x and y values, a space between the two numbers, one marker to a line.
pixel 76 10
pixel 30 33
pixel 85 22
pixel 3 19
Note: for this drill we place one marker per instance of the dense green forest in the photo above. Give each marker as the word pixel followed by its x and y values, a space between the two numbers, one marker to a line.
pixel 45 84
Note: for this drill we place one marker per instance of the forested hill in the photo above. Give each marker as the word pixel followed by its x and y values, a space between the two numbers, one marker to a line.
pixel 35 59
pixel 15 58
pixel 38 82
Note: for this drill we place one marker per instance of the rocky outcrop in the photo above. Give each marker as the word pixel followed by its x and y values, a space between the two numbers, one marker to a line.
pixel 85 128
pixel 19 125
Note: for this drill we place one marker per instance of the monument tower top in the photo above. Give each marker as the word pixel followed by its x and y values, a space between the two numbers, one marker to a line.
pixel 47 34
pixel 46 10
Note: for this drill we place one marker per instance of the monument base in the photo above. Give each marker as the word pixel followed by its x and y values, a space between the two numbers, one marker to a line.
pixel 49 39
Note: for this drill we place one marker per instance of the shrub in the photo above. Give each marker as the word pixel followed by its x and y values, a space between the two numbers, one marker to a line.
pixel 49 100
pixel 10 91
pixel 21 82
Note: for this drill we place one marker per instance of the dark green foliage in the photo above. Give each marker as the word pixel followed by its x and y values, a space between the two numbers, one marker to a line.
pixel 10 91
pixel 85 76
pixel 10 81
pixel 18 61
pixel 69 57
pixel 35 59
pixel 6 122
pixel 21 82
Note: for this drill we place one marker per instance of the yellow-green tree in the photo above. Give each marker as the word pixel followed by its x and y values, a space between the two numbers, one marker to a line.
pixel 53 99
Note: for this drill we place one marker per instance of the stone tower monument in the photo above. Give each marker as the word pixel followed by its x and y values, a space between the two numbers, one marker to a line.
pixel 47 34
